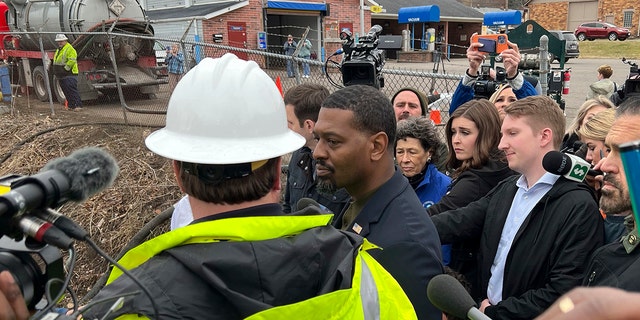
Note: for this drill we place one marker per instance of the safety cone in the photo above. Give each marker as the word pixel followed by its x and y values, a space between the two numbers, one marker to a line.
pixel 279 85
pixel 66 104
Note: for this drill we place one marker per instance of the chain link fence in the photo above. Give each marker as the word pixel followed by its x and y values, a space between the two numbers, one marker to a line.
pixel 123 76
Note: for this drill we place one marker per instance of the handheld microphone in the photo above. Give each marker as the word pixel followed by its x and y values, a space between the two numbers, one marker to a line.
pixel 308 202
pixel 570 166
pixel 82 174
pixel 448 295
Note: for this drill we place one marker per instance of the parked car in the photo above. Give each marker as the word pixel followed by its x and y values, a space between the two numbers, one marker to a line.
pixel 601 30
pixel 571 47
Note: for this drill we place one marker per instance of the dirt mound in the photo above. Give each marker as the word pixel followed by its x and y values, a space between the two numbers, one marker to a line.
pixel 144 188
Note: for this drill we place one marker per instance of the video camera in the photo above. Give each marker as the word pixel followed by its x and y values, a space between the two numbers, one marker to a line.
pixel 32 263
pixel 484 87
pixel 363 61
pixel 32 233
pixel 632 84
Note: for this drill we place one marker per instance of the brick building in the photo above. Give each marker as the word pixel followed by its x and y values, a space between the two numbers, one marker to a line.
pixel 239 23
pixel 567 15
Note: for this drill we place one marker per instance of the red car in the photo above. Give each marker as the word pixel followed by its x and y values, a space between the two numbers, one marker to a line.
pixel 601 30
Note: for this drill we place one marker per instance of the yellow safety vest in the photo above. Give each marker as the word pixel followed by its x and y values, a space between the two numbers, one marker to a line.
pixel 66 57
pixel 374 293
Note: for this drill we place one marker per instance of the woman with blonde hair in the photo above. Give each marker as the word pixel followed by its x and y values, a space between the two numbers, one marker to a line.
pixel 586 111
pixel 477 165
pixel 503 97
pixel 593 134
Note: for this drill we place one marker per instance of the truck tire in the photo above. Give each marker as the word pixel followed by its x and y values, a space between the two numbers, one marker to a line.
pixel 40 84
pixel 57 90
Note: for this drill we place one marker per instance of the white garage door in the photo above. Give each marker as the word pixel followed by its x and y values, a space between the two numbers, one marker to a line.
pixel 580 12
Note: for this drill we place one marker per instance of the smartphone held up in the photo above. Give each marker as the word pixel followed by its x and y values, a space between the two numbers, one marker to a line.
pixel 491 43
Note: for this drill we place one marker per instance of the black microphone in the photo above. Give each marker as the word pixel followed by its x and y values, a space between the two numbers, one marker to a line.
pixel 82 174
pixel 308 206
pixel 44 231
pixel 570 166
pixel 448 295
pixel 308 202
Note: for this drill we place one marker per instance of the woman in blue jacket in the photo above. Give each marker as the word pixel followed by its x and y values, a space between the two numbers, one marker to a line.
pixel 417 146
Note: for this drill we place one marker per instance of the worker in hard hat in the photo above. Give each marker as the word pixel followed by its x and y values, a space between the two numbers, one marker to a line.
pixel 241 256
pixel 65 68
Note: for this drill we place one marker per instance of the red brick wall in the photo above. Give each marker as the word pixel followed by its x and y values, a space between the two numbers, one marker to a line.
pixel 616 8
pixel 252 14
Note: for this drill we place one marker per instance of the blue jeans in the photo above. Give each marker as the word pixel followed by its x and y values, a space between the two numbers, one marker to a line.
pixel 290 71
pixel 305 66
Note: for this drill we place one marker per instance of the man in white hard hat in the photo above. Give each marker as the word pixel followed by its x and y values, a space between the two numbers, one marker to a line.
pixel 65 68
pixel 242 256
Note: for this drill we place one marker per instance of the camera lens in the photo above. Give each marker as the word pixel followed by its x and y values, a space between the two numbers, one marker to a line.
pixel 25 271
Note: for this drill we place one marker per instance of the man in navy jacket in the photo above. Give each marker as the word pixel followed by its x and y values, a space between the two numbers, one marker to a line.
pixel 356 131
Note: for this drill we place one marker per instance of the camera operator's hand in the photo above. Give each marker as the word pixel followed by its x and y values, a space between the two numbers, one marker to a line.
pixel 12 304
pixel 475 58
pixel 511 59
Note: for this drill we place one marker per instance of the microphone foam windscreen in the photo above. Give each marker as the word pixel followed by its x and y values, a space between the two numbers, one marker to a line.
pixel 90 170
pixel 556 162
pixel 448 295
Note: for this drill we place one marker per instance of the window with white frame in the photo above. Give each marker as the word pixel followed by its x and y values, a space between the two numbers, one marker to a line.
pixel 627 18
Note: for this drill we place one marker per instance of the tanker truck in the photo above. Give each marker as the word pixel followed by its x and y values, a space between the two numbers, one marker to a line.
pixel 26 25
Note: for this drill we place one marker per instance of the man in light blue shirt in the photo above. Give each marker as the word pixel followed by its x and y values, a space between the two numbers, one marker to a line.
pixel 536 230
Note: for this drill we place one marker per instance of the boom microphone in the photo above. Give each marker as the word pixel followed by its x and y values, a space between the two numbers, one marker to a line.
pixel 567 165
pixel 82 174
pixel 448 295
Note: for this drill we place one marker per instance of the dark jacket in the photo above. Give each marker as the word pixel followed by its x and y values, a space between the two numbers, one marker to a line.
pixel 549 252
pixel 617 264
pixel 465 93
pixel 394 219
pixel 468 187
pixel 235 279
pixel 472 185
pixel 302 185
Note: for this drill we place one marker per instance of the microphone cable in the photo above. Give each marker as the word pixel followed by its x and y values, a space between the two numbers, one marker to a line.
pixel 125 271
pixel 52 302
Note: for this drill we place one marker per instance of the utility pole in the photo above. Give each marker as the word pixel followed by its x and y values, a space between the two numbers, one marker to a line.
pixel 362 18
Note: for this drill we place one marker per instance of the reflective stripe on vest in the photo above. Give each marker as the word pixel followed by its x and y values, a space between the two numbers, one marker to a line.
pixel 369 294
pixel 374 294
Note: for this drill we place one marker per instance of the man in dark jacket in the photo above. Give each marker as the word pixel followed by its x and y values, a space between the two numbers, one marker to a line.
pixel 356 131
pixel 303 104
pixel 618 264
pixel 535 230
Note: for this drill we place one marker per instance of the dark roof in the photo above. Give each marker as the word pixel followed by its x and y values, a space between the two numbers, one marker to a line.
pixel 448 8
pixel 191 12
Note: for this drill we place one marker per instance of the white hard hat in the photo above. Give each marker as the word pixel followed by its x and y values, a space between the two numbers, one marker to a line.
pixel 61 37
pixel 225 111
